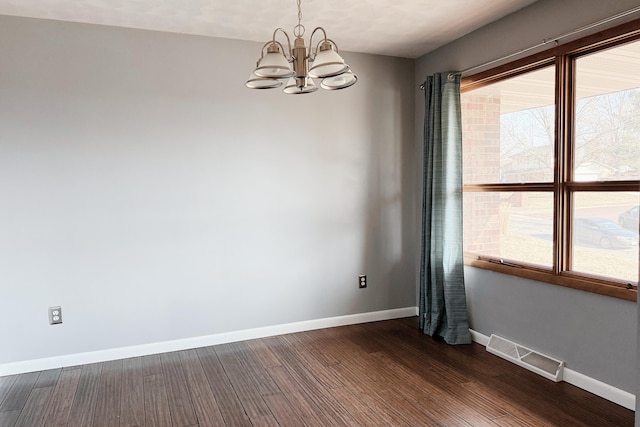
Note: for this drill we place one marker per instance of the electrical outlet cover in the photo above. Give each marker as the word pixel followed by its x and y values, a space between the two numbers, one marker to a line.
pixel 362 281
pixel 55 315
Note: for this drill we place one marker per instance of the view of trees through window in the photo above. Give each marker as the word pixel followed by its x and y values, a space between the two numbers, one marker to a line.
pixel 509 137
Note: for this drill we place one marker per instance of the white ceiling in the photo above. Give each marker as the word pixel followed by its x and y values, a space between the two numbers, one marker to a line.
pixel 405 28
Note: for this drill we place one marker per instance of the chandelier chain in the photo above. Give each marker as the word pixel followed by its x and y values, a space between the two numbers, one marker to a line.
pixel 298 30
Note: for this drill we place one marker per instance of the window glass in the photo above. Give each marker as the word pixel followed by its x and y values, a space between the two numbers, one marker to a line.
pixel 508 130
pixel 605 234
pixel 517 193
pixel 511 225
pixel 607 134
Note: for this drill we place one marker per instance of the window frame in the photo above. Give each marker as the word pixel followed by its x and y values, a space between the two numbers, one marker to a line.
pixel 563 57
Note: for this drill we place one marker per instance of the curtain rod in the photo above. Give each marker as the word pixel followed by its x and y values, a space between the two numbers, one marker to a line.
pixel 547 41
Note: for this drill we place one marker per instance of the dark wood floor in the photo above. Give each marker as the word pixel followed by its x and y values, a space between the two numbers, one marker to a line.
pixel 376 374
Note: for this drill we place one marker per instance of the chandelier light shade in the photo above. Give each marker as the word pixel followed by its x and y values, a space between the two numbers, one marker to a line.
pixel 327 63
pixel 256 82
pixel 300 65
pixel 340 81
pixel 273 65
pixel 293 88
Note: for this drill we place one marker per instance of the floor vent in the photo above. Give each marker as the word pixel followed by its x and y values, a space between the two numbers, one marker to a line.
pixel 539 363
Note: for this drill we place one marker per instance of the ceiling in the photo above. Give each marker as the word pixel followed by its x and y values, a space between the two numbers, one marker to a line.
pixel 404 28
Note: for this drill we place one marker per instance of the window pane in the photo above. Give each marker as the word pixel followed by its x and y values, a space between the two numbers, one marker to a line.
pixel 508 130
pixel 608 115
pixel 605 234
pixel 512 225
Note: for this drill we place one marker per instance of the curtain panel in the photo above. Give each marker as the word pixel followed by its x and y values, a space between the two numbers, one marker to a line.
pixel 443 305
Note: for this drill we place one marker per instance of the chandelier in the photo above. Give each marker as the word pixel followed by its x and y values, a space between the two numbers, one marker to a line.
pixel 301 65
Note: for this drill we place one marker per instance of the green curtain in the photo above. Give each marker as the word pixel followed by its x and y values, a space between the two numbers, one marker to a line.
pixel 443 305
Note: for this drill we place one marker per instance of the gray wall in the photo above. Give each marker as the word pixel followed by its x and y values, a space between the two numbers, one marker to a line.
pixel 595 335
pixel 145 190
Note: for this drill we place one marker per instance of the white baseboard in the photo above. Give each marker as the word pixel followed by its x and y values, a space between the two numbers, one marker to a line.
pixel 606 391
pixel 599 388
pixel 577 379
pixel 204 341
pixel 479 338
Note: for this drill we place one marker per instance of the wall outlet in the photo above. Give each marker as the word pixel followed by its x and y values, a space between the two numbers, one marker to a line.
pixel 362 281
pixel 55 315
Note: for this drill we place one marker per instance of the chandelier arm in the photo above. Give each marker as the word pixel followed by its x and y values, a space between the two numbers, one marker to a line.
pixel 314 31
pixel 318 47
pixel 312 55
pixel 334 44
pixel 266 46
pixel 275 32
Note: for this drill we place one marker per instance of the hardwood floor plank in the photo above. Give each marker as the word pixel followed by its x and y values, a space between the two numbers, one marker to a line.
pixel 536 398
pixel 315 340
pixel 265 421
pixel 256 373
pixel 62 400
pixel 519 376
pixel 48 378
pixel 19 391
pixel 332 409
pixel 282 411
pixel 132 396
pixel 444 415
pixel 35 409
pixel 456 358
pixel 512 407
pixel 204 402
pixel 307 354
pixel 430 400
pixel 182 413
pixel 156 403
pixel 401 382
pixel 438 375
pixel 359 410
pixel 305 405
pixel 472 407
pixel 356 376
pixel 84 401
pixel 365 391
pixel 376 371
pixel 5 385
pixel 266 358
pixel 409 410
pixel 414 349
pixel 385 373
pixel 230 407
pixel 251 400
pixel 9 418
pixel 381 408
pixel 107 411
pixel 151 365
pixel 510 421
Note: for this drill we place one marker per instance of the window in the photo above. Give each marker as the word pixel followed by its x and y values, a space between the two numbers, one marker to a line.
pixel 551 176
